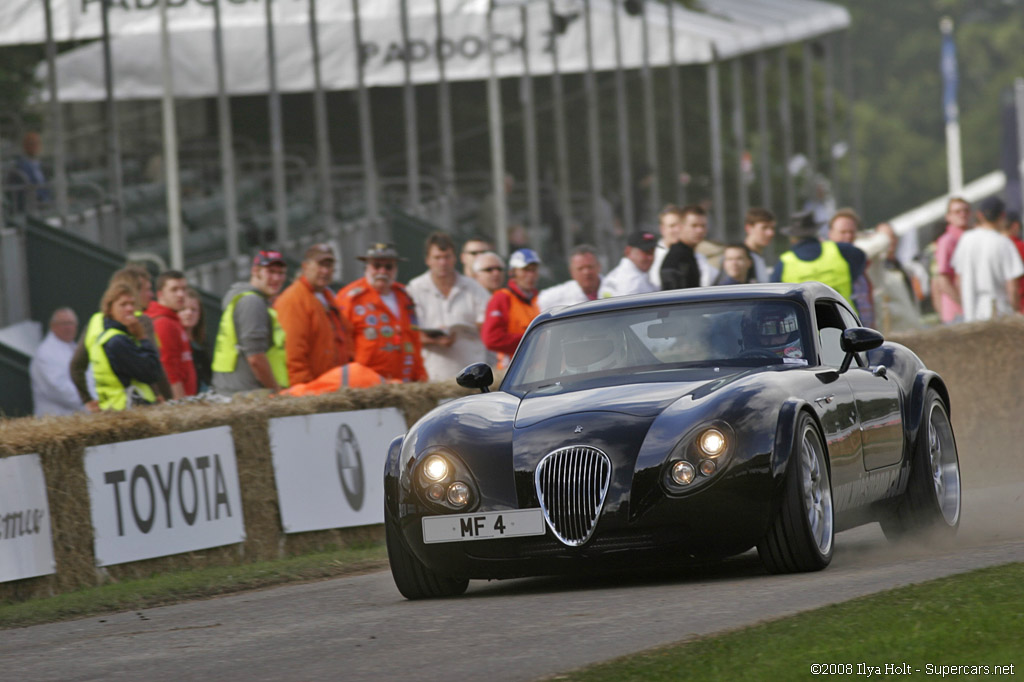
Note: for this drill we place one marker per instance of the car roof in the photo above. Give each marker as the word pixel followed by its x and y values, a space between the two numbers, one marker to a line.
pixel 803 292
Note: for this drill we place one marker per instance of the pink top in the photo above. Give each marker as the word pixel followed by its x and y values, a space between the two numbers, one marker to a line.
pixel 945 245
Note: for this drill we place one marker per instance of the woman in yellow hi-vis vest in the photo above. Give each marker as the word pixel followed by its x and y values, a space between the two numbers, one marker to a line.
pixel 124 362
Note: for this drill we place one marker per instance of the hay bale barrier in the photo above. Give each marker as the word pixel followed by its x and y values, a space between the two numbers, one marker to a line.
pixel 61 442
pixel 982 364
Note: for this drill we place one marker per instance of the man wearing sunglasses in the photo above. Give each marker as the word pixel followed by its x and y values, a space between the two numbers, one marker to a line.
pixel 383 318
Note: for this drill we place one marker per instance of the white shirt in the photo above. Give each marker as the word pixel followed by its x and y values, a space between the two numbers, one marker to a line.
pixel 626 279
pixel 660 251
pixel 984 260
pixel 53 392
pixel 566 293
pixel 460 314
pixel 708 272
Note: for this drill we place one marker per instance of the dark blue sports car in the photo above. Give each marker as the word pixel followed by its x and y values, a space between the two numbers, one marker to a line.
pixel 668 427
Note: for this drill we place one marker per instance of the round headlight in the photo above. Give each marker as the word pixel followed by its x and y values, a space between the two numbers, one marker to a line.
pixel 435 468
pixel 707 466
pixel 712 442
pixel 458 494
pixel 683 473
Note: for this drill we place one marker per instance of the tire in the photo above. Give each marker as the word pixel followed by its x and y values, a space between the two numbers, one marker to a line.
pixel 930 508
pixel 802 533
pixel 412 578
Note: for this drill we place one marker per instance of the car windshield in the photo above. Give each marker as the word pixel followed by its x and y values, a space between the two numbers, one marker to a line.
pixel 651 343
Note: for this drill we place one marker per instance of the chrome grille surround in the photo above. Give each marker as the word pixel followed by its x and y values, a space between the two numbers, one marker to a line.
pixel 571 485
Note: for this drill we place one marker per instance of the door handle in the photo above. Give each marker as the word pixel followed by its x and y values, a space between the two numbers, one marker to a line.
pixel 880 371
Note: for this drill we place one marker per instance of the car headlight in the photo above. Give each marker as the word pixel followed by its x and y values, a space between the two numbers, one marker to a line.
pixel 711 442
pixel 458 494
pixel 444 481
pixel 683 473
pixel 435 468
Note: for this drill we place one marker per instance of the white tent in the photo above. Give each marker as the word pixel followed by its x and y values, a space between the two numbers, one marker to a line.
pixel 726 29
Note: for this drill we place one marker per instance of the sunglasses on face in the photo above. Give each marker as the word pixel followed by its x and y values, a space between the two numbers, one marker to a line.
pixel 493 268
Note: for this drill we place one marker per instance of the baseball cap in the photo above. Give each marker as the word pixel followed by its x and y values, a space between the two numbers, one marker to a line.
pixel 801 224
pixel 380 250
pixel 265 258
pixel 643 240
pixel 522 258
pixel 319 252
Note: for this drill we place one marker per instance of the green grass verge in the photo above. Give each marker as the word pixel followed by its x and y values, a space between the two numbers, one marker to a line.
pixel 975 618
pixel 171 588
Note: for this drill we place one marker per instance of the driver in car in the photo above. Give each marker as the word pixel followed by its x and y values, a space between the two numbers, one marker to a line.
pixel 772 330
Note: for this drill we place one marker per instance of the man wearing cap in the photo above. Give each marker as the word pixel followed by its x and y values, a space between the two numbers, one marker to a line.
pixel 585 270
pixel 810 259
pixel 987 265
pixel 250 350
pixel 382 317
pixel 683 266
pixel 512 308
pixel 318 336
pixel 450 310
pixel 632 274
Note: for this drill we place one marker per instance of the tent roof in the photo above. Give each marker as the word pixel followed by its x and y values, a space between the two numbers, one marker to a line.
pixel 722 29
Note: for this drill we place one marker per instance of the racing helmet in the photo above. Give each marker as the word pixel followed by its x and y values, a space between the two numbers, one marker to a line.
pixel 593 353
pixel 773 327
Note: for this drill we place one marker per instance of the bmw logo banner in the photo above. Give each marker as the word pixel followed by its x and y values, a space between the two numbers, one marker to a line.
pixel 329 468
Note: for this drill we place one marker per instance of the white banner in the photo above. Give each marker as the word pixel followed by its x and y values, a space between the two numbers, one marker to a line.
pixel 329 468
pixel 26 540
pixel 164 495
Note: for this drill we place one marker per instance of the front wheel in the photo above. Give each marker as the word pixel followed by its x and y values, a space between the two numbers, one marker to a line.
pixel 931 505
pixel 802 532
pixel 412 578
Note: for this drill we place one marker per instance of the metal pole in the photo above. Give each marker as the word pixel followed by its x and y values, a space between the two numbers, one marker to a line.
pixel 370 179
pixel 717 173
pixel 740 136
pixel 561 145
pixel 170 130
pixel 675 109
pixel 622 118
pixel 276 135
pixel 226 139
pixel 1018 97
pixel 830 115
pixel 593 133
pixel 809 118
pixel 850 131
pixel 115 181
pixel 764 155
pixel 323 140
pixel 954 155
pixel 60 176
pixel 412 142
pixel 529 132
pixel 786 119
pixel 650 122
pixel 497 143
pixel 444 105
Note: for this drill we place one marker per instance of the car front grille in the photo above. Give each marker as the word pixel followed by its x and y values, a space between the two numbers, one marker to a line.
pixel 571 485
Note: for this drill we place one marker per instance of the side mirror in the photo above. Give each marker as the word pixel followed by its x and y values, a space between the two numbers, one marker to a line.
pixel 858 340
pixel 477 375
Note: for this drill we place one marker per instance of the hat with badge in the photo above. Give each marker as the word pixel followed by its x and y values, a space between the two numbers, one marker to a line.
pixel 265 258
pixel 643 240
pixel 801 225
pixel 381 251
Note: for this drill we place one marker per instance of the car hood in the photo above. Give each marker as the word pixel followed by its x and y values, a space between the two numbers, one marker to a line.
pixel 637 400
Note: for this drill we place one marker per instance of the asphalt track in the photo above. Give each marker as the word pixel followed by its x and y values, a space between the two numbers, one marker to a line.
pixel 360 628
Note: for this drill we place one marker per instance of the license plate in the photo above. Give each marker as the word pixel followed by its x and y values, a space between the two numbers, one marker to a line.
pixel 483 526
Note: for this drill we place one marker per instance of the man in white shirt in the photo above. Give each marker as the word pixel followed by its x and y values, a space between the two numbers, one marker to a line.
pixel 988 266
pixel 630 276
pixel 450 309
pixel 53 392
pixel 585 270
pixel 759 224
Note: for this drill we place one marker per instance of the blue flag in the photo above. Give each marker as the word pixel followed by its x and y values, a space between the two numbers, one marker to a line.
pixel 949 78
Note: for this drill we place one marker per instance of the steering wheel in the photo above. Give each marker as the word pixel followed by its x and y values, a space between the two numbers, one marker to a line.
pixel 758 353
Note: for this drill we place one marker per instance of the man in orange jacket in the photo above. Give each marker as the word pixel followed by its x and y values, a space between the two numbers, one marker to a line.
pixel 317 337
pixel 383 318
pixel 512 309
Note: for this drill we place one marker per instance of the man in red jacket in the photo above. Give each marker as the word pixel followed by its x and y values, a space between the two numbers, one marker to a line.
pixel 175 348
pixel 511 309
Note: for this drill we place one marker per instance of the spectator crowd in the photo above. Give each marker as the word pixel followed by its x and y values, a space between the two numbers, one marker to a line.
pixel 148 344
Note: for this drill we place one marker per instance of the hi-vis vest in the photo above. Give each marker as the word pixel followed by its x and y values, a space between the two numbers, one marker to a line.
pixel 520 315
pixel 225 351
pixel 112 394
pixel 829 268
pixel 94 329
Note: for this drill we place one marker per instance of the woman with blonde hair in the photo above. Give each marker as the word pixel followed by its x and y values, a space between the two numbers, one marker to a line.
pixel 124 362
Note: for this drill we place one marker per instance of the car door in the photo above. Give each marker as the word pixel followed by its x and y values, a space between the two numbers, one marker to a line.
pixel 878 407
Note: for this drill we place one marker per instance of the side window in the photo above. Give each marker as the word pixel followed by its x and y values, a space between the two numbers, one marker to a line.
pixel 830 331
